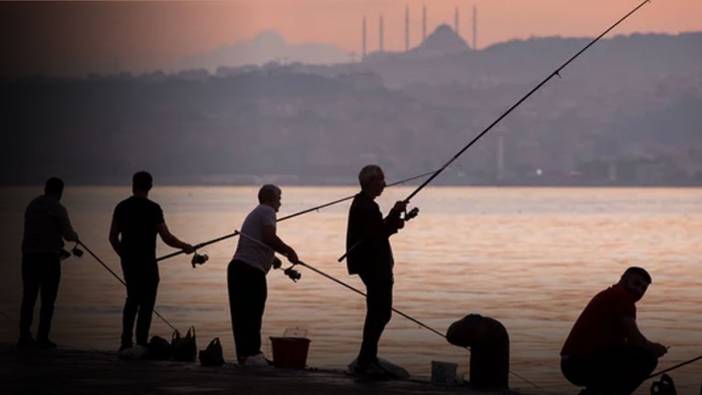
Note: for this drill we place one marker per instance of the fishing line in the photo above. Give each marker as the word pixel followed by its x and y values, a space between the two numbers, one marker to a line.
pixel 555 73
pixel 316 208
pixel 358 291
pixel 115 275
pixel 674 367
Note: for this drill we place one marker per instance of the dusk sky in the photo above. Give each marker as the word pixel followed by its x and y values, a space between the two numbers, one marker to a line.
pixel 76 38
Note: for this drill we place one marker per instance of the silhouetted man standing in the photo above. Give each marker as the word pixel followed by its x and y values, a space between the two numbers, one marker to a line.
pixel 370 256
pixel 46 224
pixel 137 220
pixel 605 351
pixel 246 274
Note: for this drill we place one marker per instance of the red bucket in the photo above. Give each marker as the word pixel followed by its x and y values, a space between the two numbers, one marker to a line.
pixel 290 352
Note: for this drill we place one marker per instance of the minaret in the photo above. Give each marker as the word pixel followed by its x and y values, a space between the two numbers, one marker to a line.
pixel 363 39
pixel 424 22
pixel 381 48
pixel 407 29
pixel 475 27
pixel 455 21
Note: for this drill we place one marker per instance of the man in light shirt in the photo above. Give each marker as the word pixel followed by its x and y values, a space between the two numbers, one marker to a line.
pixel 246 274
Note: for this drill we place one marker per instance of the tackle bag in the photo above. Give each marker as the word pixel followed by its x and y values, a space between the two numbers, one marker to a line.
pixel 184 348
pixel 159 349
pixel 212 355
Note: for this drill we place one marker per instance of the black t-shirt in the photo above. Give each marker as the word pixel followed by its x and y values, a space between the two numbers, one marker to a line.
pixel 137 219
pixel 367 238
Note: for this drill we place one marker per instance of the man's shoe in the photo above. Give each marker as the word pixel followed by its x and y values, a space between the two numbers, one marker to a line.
pixel 125 346
pixel 257 361
pixel 371 370
pixel 26 342
pixel 46 344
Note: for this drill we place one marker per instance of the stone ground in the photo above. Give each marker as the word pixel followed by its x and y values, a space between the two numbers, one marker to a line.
pixel 67 371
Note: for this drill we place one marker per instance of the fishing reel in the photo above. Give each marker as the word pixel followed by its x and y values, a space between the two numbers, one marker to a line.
pixel 75 251
pixel 292 274
pixel 408 215
pixel 199 259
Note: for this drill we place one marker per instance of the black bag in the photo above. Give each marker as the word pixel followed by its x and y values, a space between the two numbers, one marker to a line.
pixel 664 386
pixel 212 355
pixel 184 348
pixel 159 349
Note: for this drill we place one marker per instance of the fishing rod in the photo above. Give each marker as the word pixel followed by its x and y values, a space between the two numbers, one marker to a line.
pixel 681 364
pixel 115 275
pixel 555 73
pixel 316 208
pixel 358 291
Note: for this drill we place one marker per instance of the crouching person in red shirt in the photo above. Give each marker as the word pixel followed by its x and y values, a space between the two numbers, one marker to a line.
pixel 605 351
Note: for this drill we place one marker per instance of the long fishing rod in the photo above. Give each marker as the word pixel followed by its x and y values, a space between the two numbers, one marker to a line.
pixel 681 364
pixel 316 208
pixel 556 72
pixel 115 275
pixel 358 291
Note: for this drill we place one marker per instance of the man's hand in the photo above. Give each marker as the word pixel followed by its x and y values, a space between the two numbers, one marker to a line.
pixel 189 249
pixel 399 207
pixel 277 263
pixel 658 349
pixel 292 256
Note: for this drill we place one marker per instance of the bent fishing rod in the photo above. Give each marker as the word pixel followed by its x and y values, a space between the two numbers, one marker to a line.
pixel 115 275
pixel 555 73
pixel 309 210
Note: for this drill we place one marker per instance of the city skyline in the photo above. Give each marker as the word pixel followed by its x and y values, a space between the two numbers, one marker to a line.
pixel 148 36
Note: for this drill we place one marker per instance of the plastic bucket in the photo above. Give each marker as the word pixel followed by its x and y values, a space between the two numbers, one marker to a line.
pixel 290 352
pixel 443 372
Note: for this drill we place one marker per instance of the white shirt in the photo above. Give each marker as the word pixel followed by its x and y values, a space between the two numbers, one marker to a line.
pixel 251 252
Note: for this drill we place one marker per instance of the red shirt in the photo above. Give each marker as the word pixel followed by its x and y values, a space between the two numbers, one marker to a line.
pixel 600 324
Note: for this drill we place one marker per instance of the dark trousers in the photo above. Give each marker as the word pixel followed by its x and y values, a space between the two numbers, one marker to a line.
pixel 378 314
pixel 40 272
pixel 247 301
pixel 621 369
pixel 142 287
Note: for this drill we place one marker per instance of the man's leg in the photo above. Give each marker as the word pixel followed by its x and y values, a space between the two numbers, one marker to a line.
pixel 51 275
pixel 378 314
pixel 259 294
pixel 246 304
pixel 147 301
pixel 130 310
pixel 622 369
pixel 30 290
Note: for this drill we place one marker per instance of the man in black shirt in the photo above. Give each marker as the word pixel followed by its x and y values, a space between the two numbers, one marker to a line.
pixel 46 225
pixel 137 220
pixel 370 256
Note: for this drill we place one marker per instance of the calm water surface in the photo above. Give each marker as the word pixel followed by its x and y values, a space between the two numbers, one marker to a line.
pixel 528 257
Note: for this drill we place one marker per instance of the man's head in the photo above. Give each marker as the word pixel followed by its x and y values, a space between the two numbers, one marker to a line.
pixel 372 180
pixel 269 194
pixel 54 187
pixel 142 182
pixel 636 281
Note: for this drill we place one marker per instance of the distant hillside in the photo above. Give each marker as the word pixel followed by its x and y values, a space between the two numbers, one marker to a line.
pixel 265 47
pixel 626 113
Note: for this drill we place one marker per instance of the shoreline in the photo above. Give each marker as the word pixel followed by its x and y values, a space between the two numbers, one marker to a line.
pixel 77 371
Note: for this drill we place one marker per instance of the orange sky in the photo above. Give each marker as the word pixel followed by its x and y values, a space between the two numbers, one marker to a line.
pixel 64 37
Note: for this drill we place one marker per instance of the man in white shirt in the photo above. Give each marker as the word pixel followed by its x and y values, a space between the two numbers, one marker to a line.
pixel 246 274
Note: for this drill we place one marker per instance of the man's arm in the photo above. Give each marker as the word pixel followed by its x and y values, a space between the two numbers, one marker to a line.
pixel 171 240
pixel 636 338
pixel 65 225
pixel 114 237
pixel 273 241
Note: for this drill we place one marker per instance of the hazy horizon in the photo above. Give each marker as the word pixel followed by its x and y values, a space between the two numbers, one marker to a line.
pixel 71 39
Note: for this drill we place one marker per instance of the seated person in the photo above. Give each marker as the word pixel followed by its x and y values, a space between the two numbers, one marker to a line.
pixel 605 351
